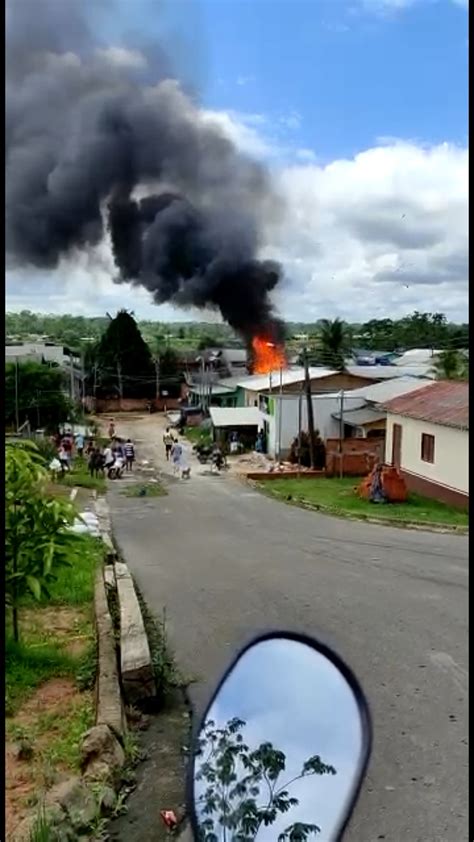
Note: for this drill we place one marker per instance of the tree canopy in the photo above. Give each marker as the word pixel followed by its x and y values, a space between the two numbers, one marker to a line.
pixel 41 396
pixel 241 787
pixel 120 364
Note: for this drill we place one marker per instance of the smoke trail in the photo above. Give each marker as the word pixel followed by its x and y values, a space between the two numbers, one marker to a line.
pixel 87 133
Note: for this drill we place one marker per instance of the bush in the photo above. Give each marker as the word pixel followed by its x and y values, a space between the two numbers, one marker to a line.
pixel 305 460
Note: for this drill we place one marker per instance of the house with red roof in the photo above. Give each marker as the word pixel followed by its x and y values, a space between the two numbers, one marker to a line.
pixel 427 439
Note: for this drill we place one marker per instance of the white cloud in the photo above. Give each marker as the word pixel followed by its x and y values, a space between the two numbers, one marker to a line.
pixel 376 235
pixel 381 233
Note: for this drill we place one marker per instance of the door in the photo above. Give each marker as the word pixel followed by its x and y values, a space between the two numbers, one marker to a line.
pixel 396 445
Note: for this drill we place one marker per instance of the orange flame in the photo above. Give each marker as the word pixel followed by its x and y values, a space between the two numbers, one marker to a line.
pixel 268 356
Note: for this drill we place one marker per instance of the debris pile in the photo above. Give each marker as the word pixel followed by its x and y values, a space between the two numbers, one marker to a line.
pixel 384 484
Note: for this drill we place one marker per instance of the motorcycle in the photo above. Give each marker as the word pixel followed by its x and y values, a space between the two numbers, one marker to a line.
pixel 203 452
pixel 116 469
pixel 282 748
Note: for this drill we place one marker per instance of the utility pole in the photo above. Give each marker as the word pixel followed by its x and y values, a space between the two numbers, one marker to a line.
pixel 71 376
pixel 83 382
pixel 157 378
pixel 300 400
pixel 341 434
pixel 280 411
pixel 17 409
pixel 309 403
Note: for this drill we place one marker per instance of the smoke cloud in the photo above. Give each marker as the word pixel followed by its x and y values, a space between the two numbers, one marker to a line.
pixel 101 141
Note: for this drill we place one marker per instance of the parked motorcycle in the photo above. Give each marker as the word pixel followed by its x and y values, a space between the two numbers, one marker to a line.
pixel 283 747
pixel 203 452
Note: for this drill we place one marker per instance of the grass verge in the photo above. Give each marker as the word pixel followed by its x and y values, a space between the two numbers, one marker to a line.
pixel 79 476
pixel 198 435
pixel 148 489
pixel 337 496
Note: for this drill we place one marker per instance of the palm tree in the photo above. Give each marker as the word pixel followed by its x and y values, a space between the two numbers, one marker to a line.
pixel 451 365
pixel 334 339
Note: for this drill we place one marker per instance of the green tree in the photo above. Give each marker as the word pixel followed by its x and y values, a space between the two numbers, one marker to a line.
pixel 451 365
pixel 242 790
pixel 121 365
pixel 334 343
pixel 39 388
pixel 37 540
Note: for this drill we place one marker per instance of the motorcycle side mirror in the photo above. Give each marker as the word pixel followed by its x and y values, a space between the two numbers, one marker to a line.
pixel 282 748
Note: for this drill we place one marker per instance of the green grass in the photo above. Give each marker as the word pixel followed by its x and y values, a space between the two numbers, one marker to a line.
pixel 39 657
pixel 27 666
pixel 65 734
pixel 75 585
pixel 79 476
pixel 151 489
pixel 337 496
pixel 197 435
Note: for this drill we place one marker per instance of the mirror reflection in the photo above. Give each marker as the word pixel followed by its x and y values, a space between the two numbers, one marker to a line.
pixel 279 753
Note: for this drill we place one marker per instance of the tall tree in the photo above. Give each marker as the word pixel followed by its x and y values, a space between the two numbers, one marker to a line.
pixel 451 365
pixel 121 365
pixel 334 341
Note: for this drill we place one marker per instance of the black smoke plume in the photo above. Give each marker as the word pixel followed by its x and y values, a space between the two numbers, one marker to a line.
pixel 102 141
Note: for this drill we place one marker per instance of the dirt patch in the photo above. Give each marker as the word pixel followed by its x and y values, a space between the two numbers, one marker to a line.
pixel 67 625
pixel 46 725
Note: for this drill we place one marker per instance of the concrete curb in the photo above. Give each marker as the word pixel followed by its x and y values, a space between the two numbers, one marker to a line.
pixel 135 658
pixel 109 707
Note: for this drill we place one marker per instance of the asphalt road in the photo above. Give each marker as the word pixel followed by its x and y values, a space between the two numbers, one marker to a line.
pixel 228 562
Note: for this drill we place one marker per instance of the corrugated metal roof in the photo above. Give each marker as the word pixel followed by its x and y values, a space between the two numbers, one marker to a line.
pixel 241 416
pixel 444 402
pixel 359 417
pixel 261 382
pixel 388 372
pixel 388 389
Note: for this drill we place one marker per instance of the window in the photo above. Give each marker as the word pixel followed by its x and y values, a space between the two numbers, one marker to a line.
pixel 427 447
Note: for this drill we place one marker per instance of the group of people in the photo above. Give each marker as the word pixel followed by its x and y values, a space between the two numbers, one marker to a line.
pixel 118 455
pixel 67 446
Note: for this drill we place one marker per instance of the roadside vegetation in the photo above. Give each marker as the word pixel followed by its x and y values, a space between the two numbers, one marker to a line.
pixel 50 647
pixel 338 496
pixel 198 435
pixel 80 477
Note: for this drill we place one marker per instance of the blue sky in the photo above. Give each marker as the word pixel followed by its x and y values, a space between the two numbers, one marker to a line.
pixel 360 109
pixel 349 75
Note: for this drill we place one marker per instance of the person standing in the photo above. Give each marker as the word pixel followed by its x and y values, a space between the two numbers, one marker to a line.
pixel 168 441
pixel 63 456
pixel 108 457
pixel 112 429
pixel 176 452
pixel 129 449
pixel 80 445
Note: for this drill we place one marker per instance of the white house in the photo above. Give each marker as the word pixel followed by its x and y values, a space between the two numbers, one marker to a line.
pixel 356 413
pixel 427 439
